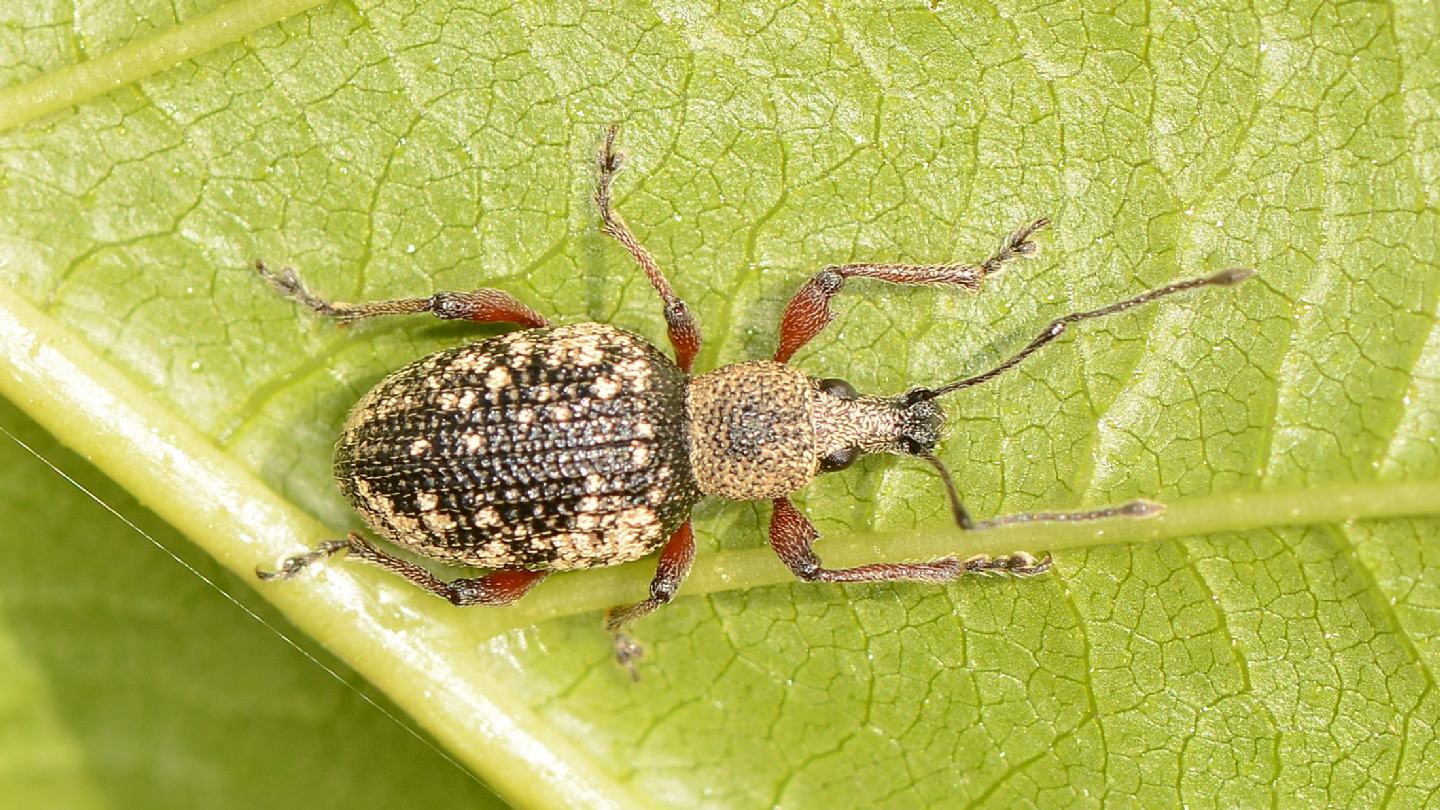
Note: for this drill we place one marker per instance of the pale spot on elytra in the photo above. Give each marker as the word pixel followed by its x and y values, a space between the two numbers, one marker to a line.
pixel 439 522
pixel 487 517
pixel 498 378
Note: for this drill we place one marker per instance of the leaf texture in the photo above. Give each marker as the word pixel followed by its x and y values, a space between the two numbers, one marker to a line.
pixel 1255 647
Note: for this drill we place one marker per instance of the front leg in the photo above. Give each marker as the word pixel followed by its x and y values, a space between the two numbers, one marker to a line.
pixel 792 534
pixel 809 311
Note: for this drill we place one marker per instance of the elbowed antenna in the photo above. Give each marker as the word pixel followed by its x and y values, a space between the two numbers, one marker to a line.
pixel 1135 509
pixel 1057 327
pixel 962 517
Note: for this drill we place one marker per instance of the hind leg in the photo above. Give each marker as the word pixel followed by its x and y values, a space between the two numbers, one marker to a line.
pixel 497 588
pixel 481 306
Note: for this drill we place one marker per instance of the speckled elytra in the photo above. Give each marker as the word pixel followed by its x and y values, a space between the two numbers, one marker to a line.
pixel 557 448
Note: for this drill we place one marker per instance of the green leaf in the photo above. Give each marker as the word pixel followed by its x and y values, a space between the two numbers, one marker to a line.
pixel 1271 639
pixel 128 681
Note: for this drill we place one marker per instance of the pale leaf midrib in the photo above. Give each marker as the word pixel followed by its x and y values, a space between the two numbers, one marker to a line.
pixel 738 569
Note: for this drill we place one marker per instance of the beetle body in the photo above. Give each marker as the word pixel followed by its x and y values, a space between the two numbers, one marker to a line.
pixel 581 446
pixel 546 449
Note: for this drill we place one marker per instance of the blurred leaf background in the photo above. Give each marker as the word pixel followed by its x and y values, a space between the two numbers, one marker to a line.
pixel 149 151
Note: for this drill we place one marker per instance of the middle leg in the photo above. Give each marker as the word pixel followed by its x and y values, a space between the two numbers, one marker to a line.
pixel 481 306
pixel 809 311
pixel 674 566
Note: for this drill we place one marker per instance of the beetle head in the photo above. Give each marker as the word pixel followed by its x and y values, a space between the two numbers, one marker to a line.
pixel 850 425
pixel 921 421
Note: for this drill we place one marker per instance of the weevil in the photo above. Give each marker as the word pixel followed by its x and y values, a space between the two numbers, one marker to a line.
pixel 556 448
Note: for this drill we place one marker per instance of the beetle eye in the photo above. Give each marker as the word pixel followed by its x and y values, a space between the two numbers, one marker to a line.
pixel 839 460
pixel 839 388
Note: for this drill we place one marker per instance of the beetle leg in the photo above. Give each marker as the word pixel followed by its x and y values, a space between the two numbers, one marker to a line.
pixel 291 566
pixel 672 569
pixel 682 328
pixel 496 588
pixel 792 534
pixel 480 306
pixel 809 311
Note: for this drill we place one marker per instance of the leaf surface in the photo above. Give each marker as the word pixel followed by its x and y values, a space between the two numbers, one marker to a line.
pixel 1272 638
